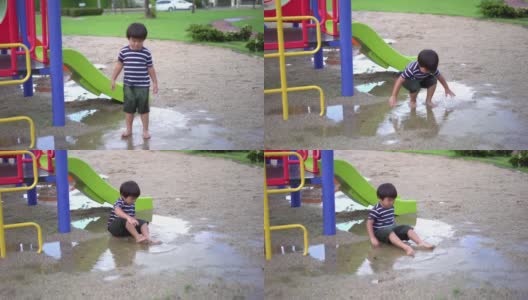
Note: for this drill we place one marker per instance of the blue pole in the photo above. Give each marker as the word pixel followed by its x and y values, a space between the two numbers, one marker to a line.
pixel 63 195
pixel 345 35
pixel 329 223
pixel 55 42
pixel 32 196
pixel 295 198
pixel 22 22
pixel 318 57
pixel 3 51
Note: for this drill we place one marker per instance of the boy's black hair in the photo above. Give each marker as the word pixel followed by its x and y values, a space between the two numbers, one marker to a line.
pixel 136 30
pixel 129 188
pixel 387 190
pixel 428 59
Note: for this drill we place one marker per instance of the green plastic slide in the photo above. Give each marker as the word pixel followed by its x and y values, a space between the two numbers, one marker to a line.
pixel 360 190
pixel 88 76
pixel 375 48
pixel 3 10
pixel 94 187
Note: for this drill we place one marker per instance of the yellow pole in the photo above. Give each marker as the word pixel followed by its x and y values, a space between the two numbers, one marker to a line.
pixel 2 230
pixel 267 230
pixel 282 59
pixel 28 63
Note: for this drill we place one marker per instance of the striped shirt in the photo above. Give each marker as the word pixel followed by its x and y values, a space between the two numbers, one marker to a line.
pixel 412 72
pixel 381 216
pixel 129 209
pixel 136 64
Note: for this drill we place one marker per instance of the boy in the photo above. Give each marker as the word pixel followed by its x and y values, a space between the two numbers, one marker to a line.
pixel 381 226
pixel 137 62
pixel 421 74
pixel 122 221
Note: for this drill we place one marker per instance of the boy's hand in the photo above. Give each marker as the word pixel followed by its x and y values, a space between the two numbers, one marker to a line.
pixel 113 85
pixel 375 243
pixel 155 88
pixel 392 101
pixel 132 221
pixel 450 93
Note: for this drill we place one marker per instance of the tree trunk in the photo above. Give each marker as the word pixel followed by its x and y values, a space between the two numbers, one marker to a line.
pixel 194 6
pixel 147 9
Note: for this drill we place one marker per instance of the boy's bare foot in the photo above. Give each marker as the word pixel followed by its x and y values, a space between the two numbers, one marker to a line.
pixel 141 239
pixel 154 242
pixel 126 134
pixel 427 246
pixel 412 104
pixel 431 104
pixel 409 251
pixel 146 135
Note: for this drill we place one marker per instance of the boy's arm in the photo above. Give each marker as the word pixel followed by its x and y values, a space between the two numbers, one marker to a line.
pixel 152 73
pixel 448 91
pixel 117 69
pixel 370 229
pixel 397 86
pixel 120 213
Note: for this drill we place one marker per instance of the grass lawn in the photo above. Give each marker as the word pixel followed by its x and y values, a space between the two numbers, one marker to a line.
pixel 167 25
pixel 466 8
pixel 238 156
pixel 499 161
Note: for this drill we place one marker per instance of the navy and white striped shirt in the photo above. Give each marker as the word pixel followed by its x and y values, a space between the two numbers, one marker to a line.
pixel 412 72
pixel 136 64
pixel 382 217
pixel 129 209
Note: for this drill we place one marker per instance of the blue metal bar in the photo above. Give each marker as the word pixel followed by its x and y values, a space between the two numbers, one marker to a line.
pixel 329 222
pixel 295 198
pixel 63 195
pixel 32 196
pixel 318 57
pixel 55 42
pixel 345 37
pixel 22 23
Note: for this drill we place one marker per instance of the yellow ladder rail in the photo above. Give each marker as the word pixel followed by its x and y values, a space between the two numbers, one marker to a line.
pixel 267 227
pixel 17 189
pixel 28 63
pixel 281 54
pixel 31 126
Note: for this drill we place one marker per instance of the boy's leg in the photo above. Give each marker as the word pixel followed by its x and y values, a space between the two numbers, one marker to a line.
pixel 429 98
pixel 133 231
pixel 395 240
pixel 144 109
pixel 129 107
pixel 145 121
pixel 415 238
pixel 129 120
pixel 413 99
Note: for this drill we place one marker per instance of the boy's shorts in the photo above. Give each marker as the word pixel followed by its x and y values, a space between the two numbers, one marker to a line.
pixel 136 99
pixel 382 234
pixel 414 86
pixel 117 227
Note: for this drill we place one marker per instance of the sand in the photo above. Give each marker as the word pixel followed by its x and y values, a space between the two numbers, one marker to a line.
pixel 477 199
pixel 474 54
pixel 215 196
pixel 214 86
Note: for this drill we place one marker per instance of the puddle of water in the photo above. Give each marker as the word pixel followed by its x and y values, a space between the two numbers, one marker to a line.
pixel 169 129
pixel 231 20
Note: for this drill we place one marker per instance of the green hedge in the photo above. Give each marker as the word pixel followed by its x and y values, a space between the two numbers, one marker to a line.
pixel 257 43
pixel 207 33
pixel 77 12
pixel 499 9
pixel 520 159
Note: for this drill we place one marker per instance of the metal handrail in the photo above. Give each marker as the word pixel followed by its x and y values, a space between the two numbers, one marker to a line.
pixel 31 126
pixel 28 63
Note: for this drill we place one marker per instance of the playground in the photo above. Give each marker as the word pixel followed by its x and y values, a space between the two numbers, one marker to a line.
pixel 205 94
pixel 478 57
pixel 472 211
pixel 208 229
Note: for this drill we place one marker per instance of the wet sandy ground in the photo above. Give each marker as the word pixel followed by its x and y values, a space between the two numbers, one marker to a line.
pixel 209 98
pixel 473 212
pixel 480 62
pixel 206 212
